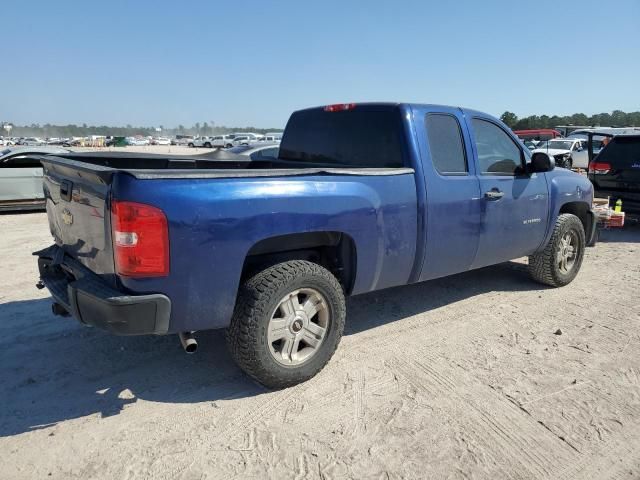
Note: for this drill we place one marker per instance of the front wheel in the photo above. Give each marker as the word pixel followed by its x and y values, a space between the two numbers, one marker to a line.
pixel 287 323
pixel 559 263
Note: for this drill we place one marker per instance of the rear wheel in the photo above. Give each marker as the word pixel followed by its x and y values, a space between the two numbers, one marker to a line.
pixel 191 145
pixel 207 145
pixel 287 323
pixel 560 261
pixel 228 145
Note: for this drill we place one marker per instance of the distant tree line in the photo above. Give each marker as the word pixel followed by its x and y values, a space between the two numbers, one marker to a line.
pixel 49 131
pixel 617 118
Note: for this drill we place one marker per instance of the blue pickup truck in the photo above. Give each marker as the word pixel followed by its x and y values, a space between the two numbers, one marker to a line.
pixel 361 197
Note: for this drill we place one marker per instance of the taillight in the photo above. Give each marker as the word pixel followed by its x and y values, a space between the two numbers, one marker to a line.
pixel 339 107
pixel 140 240
pixel 599 168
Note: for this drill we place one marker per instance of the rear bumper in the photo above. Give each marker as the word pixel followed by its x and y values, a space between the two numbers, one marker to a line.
pixel 92 301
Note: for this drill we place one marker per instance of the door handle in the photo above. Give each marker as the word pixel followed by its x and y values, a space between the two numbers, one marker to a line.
pixel 493 194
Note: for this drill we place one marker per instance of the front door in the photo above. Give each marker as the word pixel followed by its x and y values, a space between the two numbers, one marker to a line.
pixel 514 207
pixel 452 191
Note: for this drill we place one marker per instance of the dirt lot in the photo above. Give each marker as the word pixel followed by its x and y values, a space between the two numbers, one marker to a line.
pixel 484 375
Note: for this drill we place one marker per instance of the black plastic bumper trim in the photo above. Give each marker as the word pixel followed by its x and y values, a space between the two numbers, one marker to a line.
pixel 94 302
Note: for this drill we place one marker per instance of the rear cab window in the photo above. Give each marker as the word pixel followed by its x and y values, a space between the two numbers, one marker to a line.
pixel 362 136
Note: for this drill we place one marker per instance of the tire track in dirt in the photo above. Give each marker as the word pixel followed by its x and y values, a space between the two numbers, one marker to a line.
pixel 491 415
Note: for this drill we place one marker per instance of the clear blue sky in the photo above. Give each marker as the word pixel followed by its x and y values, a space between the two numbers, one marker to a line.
pixel 254 62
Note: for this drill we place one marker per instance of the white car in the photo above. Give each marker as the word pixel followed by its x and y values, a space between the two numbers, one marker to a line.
pixel 223 141
pixel 203 141
pixel 137 142
pixel 242 140
pixel 21 177
pixel 182 140
pixel 161 141
pixel 32 141
pixel 567 152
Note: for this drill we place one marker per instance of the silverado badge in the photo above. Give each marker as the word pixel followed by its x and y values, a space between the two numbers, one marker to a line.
pixel 67 218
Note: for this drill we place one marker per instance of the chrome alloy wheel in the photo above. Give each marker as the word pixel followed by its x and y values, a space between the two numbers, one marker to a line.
pixel 298 326
pixel 567 252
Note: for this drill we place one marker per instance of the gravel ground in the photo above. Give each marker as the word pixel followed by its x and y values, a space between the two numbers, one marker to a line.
pixel 483 375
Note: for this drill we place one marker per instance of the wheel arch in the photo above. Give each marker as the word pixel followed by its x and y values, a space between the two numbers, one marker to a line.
pixel 580 210
pixel 334 250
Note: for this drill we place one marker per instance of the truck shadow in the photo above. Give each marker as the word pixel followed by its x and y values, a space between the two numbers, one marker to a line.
pixel 54 370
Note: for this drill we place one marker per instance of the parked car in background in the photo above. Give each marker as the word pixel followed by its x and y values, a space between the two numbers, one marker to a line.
pixel 21 177
pixel 362 197
pixel 272 138
pixel 137 141
pixel 202 141
pixel 32 141
pixel 160 141
pixel 182 139
pixel 262 152
pixel 243 140
pixel 223 141
pixel 567 152
pixel 615 172
pixel 73 142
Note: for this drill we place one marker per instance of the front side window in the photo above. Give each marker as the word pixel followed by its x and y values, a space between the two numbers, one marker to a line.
pixel 446 144
pixel 498 154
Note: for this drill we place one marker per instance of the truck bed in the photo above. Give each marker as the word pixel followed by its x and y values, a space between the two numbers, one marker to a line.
pixel 218 164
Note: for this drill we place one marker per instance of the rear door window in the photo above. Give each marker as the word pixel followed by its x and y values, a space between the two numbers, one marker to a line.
pixel 356 138
pixel 446 144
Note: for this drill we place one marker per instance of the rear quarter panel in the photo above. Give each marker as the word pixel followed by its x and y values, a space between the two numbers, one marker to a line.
pixel 214 222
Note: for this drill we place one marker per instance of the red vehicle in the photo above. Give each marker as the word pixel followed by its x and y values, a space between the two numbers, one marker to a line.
pixel 532 138
pixel 538 134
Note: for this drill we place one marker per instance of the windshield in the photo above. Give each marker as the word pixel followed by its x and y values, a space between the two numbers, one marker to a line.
pixel 556 144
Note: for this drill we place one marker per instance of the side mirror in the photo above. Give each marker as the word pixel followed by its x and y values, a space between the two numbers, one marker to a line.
pixel 541 162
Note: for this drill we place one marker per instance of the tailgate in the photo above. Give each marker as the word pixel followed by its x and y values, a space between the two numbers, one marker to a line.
pixel 77 202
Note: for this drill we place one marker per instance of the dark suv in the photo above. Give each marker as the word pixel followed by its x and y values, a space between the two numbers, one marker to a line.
pixel 615 172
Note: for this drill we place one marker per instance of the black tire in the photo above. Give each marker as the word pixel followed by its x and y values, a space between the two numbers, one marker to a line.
pixel 544 266
pixel 191 145
pixel 228 145
pixel 207 145
pixel 259 297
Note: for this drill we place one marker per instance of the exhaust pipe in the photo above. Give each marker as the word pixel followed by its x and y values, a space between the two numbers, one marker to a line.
pixel 188 342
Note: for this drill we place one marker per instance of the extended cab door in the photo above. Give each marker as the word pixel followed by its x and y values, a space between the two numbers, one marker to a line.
pixel 452 191
pixel 514 206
